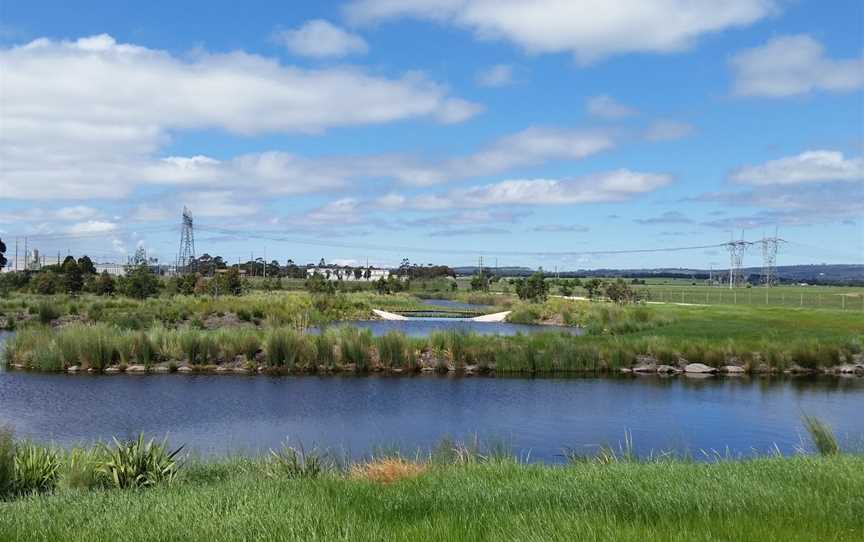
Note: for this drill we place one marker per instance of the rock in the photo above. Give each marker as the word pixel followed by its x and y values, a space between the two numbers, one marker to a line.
pixel 73 369
pixel 223 369
pixel 241 370
pixel 136 369
pixel 797 369
pixel 185 369
pixel 18 366
pixel 471 370
pixel 112 370
pixel 732 369
pixel 427 369
pixel 626 370
pixel 668 369
pixel 850 369
pixel 699 368
pixel 161 369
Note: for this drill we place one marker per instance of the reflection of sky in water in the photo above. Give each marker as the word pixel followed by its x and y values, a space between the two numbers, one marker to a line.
pixel 216 414
pixel 422 327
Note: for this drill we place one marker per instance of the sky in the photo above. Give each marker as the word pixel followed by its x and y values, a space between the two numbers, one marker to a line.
pixel 533 133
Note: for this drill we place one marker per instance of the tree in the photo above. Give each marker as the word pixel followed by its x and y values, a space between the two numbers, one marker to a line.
pixel 317 284
pixel 139 282
pixel 46 283
pixel 621 292
pixel 566 288
pixel 358 273
pixel 104 285
pixel 593 287
pixel 86 265
pixel 480 281
pixel 533 289
pixel 368 273
pixel 228 283
pixel 73 280
pixel 2 254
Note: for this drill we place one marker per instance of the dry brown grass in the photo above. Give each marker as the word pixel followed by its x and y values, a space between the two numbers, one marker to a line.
pixel 387 471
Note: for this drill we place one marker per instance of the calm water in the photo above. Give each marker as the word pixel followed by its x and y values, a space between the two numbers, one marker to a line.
pixel 220 414
pixel 422 327
pixel 451 304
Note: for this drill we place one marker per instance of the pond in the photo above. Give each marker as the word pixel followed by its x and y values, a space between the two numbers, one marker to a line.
pixel 422 327
pixel 215 414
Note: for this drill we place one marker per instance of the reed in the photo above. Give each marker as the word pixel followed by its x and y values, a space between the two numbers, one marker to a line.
pixel 355 347
pixel 393 350
pixel 821 435
pixel 288 349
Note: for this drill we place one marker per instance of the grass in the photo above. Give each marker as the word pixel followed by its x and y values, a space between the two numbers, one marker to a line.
pixel 782 499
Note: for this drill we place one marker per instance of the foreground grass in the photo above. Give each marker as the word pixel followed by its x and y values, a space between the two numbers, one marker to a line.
pixel 798 498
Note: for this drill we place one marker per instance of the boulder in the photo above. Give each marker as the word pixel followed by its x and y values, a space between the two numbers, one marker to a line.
pixel 223 369
pixel 668 369
pixel 161 369
pixel 797 369
pixel 699 368
pixel 136 369
pixel 849 369
pixel 112 370
pixel 241 370
pixel 73 369
pixel 185 369
pixel 732 369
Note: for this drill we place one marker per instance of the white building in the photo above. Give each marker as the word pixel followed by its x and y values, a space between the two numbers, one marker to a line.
pixel 114 269
pixel 347 273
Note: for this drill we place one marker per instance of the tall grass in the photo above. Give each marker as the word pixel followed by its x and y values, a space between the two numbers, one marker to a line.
pixel 355 347
pixel 138 463
pixel 288 348
pixel 7 462
pixel 393 349
pixel 822 436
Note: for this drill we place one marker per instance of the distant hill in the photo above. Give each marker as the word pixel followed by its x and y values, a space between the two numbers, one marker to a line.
pixel 811 274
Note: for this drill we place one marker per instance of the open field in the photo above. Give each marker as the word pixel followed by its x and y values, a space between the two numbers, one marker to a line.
pixel 784 499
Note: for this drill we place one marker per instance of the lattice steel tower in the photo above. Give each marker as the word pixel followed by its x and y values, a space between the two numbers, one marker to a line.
pixel 186 257
pixel 736 257
pixel 769 259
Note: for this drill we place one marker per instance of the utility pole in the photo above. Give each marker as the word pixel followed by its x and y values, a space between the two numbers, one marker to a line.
pixel 16 254
pixel 770 245
pixel 736 257
pixel 25 253
pixel 186 256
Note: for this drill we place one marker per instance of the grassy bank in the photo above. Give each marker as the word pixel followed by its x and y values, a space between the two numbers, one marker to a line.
pixel 466 497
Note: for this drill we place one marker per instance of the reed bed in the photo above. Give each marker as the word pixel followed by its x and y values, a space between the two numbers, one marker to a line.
pixel 284 349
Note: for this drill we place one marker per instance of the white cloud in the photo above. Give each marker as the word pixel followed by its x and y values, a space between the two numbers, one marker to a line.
pixel 77 212
pixel 110 107
pixel 667 130
pixel 807 167
pixel 529 147
pixel 791 65
pixel 91 227
pixel 499 75
pixel 669 217
pixel 561 228
pixel 606 107
pixel 218 204
pixel 589 29
pixel 618 185
pixel 320 39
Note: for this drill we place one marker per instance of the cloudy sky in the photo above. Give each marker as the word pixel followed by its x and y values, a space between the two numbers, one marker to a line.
pixel 534 132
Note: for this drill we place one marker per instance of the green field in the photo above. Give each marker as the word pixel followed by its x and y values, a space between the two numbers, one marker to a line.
pixel 770 499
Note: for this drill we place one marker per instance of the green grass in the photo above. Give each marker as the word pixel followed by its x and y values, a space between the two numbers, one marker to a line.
pixel 782 499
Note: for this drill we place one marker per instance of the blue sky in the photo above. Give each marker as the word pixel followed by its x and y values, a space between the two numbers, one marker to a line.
pixel 534 133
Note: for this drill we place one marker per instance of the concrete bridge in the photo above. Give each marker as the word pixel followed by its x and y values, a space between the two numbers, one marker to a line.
pixel 471 315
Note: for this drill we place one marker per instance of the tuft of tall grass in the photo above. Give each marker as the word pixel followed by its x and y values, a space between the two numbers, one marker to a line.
pixel 393 349
pixel 288 348
pixel 296 462
pixel 822 436
pixel 355 347
pixel 47 312
pixel 325 347
pixel 138 463
pixel 7 462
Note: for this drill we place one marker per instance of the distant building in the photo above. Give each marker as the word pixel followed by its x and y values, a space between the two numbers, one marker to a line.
pixel 113 269
pixel 348 273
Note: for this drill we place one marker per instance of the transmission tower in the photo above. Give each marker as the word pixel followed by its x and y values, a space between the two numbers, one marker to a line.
pixel 769 259
pixel 736 258
pixel 186 257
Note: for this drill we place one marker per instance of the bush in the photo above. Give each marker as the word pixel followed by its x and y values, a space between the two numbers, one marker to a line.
pixel 355 347
pixel 7 462
pixel 47 313
pixel 295 463
pixel 36 469
pixel 392 349
pixel 137 464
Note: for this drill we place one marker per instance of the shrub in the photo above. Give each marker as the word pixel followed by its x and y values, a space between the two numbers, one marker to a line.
pixel 36 469
pixel 136 463
pixel 325 347
pixel 80 470
pixel 47 313
pixel 97 346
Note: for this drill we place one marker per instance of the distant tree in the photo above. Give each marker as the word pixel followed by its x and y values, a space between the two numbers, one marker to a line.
pixel 322 263
pixel 46 283
pixel 73 279
pixel 566 288
pixel 318 284
pixel 534 288
pixel 621 292
pixel 368 273
pixel 139 282
pixel 104 285
pixel 227 283
pixel 358 273
pixel 593 287
pixel 481 281
pixel 3 260
pixel 86 265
